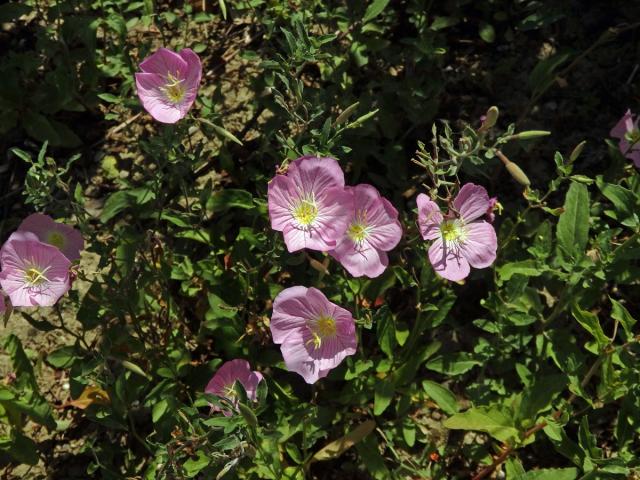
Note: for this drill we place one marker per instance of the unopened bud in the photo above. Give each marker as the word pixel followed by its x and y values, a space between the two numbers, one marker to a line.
pixel 514 170
pixel 517 174
pixel 490 119
pixel 346 113
pixel 577 151
pixel 529 134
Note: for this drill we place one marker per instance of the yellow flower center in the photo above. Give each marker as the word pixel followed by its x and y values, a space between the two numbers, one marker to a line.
pixel 35 277
pixel 326 326
pixel 305 212
pixel 173 90
pixel 359 230
pixel 453 231
pixel 56 239
pixel 323 327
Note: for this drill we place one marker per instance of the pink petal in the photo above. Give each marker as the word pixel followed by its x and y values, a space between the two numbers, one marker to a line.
pixel 316 173
pixel 447 263
pixel 290 309
pixel 472 202
pixel 44 227
pixel 193 75
pixel 479 248
pixel 281 195
pixel 429 217
pixel 153 99
pixel 365 261
pixel 163 62
pixel 624 125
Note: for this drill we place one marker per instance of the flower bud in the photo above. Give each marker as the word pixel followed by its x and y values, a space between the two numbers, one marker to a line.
pixel 490 119
pixel 529 134
pixel 577 151
pixel 346 113
pixel 517 174
pixel 514 170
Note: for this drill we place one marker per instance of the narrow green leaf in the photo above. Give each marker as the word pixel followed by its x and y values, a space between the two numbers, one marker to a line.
pixel 374 9
pixel 573 224
pixel 383 395
pixel 442 396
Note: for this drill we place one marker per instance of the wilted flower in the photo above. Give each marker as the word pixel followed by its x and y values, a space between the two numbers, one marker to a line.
pixel 462 238
pixel 3 305
pixel 66 238
pixel 309 204
pixel 168 83
pixel 33 273
pixel 628 134
pixel 493 205
pixel 237 370
pixel 372 231
pixel 314 334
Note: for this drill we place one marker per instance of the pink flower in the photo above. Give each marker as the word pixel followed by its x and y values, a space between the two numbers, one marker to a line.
pixel 309 204
pixel 462 239
pixel 66 238
pixel 314 334
pixel 373 230
pixel 168 83
pixel 628 134
pixel 235 370
pixel 33 273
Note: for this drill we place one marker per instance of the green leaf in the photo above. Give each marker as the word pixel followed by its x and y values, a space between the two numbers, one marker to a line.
pixel 543 75
pixel 487 32
pixel 369 452
pixel 383 395
pixel 385 330
pixel 374 9
pixel 496 421
pixel 23 449
pixel 442 396
pixel 223 200
pixel 622 315
pixel 195 464
pixel 452 364
pixel 573 224
pixel 337 447
pixel 528 268
pixel 62 357
pixel 549 474
pixel 591 324
pixel 12 11
pixel 624 201
pixel 116 202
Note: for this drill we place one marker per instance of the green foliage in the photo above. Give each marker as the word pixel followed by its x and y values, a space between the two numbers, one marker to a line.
pixel 533 359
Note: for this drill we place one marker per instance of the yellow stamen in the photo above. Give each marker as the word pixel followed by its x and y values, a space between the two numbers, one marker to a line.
pixel 35 277
pixel 453 231
pixel 305 212
pixel 323 327
pixel 174 90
